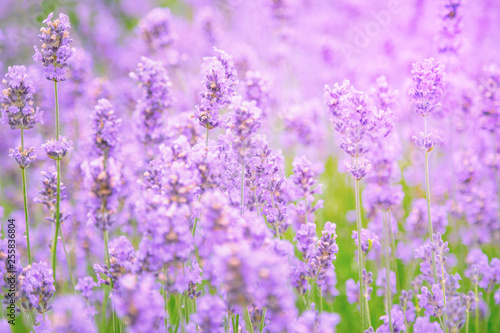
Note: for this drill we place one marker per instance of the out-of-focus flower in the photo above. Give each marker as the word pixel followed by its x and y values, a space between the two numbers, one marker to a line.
pixel 156 29
pixel 57 149
pixel 24 158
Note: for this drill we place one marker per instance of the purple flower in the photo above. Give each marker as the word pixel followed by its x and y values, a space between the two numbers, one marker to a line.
pixel 398 322
pixel 37 288
pixel 352 291
pixel 57 149
pixel 312 321
pixel 321 259
pixel 306 239
pixel 244 123
pixel 17 100
pixel 426 142
pixel 139 303
pixel 102 180
pixel 85 286
pixel 156 29
pixel 451 26
pixel 432 301
pixel 105 127
pixel 71 314
pixel 219 79
pixel 426 86
pixel 353 117
pixel 382 284
pixel 369 241
pixel 156 98
pixel 209 316
pixel 55 50
pixel 49 196
pixel 423 325
pixel 455 314
pixel 257 89
pixel 121 258
pixel 23 158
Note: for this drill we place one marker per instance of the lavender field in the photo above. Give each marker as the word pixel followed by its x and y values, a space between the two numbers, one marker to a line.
pixel 250 166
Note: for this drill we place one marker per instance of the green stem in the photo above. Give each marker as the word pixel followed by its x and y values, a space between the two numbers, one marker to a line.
pixel 67 259
pixel 25 197
pixel 467 323
pixel 58 225
pixel 428 197
pixel 262 320
pixel 309 297
pixel 393 251
pixel 387 271
pixel 57 110
pixel 248 320
pixel 477 307
pixel 165 303
pixel 206 138
pixel 360 256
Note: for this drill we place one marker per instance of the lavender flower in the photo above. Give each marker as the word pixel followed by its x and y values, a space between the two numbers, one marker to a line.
pixel 219 79
pixel 352 116
pixel 156 98
pixel 209 316
pixel 432 301
pixel 451 26
pixel 37 288
pixel 71 314
pixel 121 261
pixel 57 149
pixel 156 29
pixel 17 100
pixel 103 184
pixel 314 322
pixel 426 86
pixel 321 260
pixel 398 322
pixel 49 196
pixel 85 286
pixel 426 142
pixel 139 304
pixel 105 127
pixel 23 157
pixel 382 284
pixel 423 325
pixel 257 89
pixel 55 50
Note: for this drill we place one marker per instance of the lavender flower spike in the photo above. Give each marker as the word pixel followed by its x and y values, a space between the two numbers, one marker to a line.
pixel 427 86
pixel 55 50
pixel 23 157
pixel 57 149
pixel 17 100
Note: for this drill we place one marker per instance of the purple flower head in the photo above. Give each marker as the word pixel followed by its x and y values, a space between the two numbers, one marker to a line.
pixel 219 79
pixel 312 321
pixel 306 239
pixel 57 149
pixel 367 281
pixel 209 316
pixel 432 301
pixel 382 284
pixel 424 325
pixel 122 259
pixel 49 196
pixel 426 142
pixel 156 98
pixel 426 86
pixel 417 221
pixel 244 123
pixel 321 260
pixel 85 286
pixel 398 322
pixel 489 87
pixel 105 127
pixel 455 314
pixel 23 158
pixel 102 180
pixel 55 50
pixel 139 303
pixel 156 29
pixel 71 314
pixel 451 26
pixel 369 240
pixel 257 89
pixel 384 95
pixel 36 287
pixel 358 170
pixel 17 100
pixel 352 291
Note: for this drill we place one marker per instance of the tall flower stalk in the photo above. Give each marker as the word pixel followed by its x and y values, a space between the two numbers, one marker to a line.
pixel 54 54
pixel 18 112
pixel 353 118
pixel 425 92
